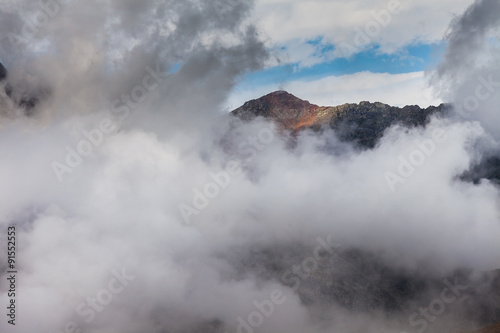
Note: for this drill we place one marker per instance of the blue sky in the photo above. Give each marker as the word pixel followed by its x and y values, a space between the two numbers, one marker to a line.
pixel 414 58
pixel 305 38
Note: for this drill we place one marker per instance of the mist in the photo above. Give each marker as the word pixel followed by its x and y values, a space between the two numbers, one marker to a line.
pixel 141 206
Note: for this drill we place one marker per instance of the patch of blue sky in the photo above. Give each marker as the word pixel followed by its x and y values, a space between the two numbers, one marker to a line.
pixel 411 59
pixel 175 68
pixel 494 41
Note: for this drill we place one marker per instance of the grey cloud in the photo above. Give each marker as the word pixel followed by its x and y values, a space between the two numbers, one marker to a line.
pixel 466 36
pixel 119 208
pixel 469 73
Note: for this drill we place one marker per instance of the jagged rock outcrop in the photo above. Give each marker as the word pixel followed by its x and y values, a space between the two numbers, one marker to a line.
pixel 363 123
pixel 351 278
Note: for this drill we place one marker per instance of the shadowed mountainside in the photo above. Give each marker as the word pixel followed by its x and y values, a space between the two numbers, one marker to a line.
pixel 361 283
pixel 363 123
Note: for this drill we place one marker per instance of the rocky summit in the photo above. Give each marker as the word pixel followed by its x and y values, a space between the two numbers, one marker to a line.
pixel 363 123
pixel 353 278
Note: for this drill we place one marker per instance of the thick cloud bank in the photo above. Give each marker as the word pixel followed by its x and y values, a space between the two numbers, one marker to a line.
pixel 136 203
pixel 469 75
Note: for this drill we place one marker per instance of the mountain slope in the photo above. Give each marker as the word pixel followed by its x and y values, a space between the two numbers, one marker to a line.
pixel 354 279
pixel 363 123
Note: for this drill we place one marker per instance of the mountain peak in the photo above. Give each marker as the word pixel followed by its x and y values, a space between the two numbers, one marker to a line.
pixel 286 109
pixel 365 121
pixel 281 99
pixel 282 94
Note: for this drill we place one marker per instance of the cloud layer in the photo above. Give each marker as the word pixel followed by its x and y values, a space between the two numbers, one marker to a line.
pixel 290 23
pixel 105 247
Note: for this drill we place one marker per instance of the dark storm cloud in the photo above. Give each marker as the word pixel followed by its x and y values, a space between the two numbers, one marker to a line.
pixel 466 36
pixel 469 73
pixel 98 50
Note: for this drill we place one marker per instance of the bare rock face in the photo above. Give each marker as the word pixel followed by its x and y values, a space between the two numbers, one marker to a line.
pixel 351 278
pixel 363 123
pixel 287 110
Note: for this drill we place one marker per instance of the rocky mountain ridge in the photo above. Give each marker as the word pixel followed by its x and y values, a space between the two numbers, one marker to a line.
pixel 362 284
pixel 363 123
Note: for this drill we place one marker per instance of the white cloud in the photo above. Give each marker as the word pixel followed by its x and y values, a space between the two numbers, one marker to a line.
pixel 285 22
pixel 119 207
pixel 393 89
